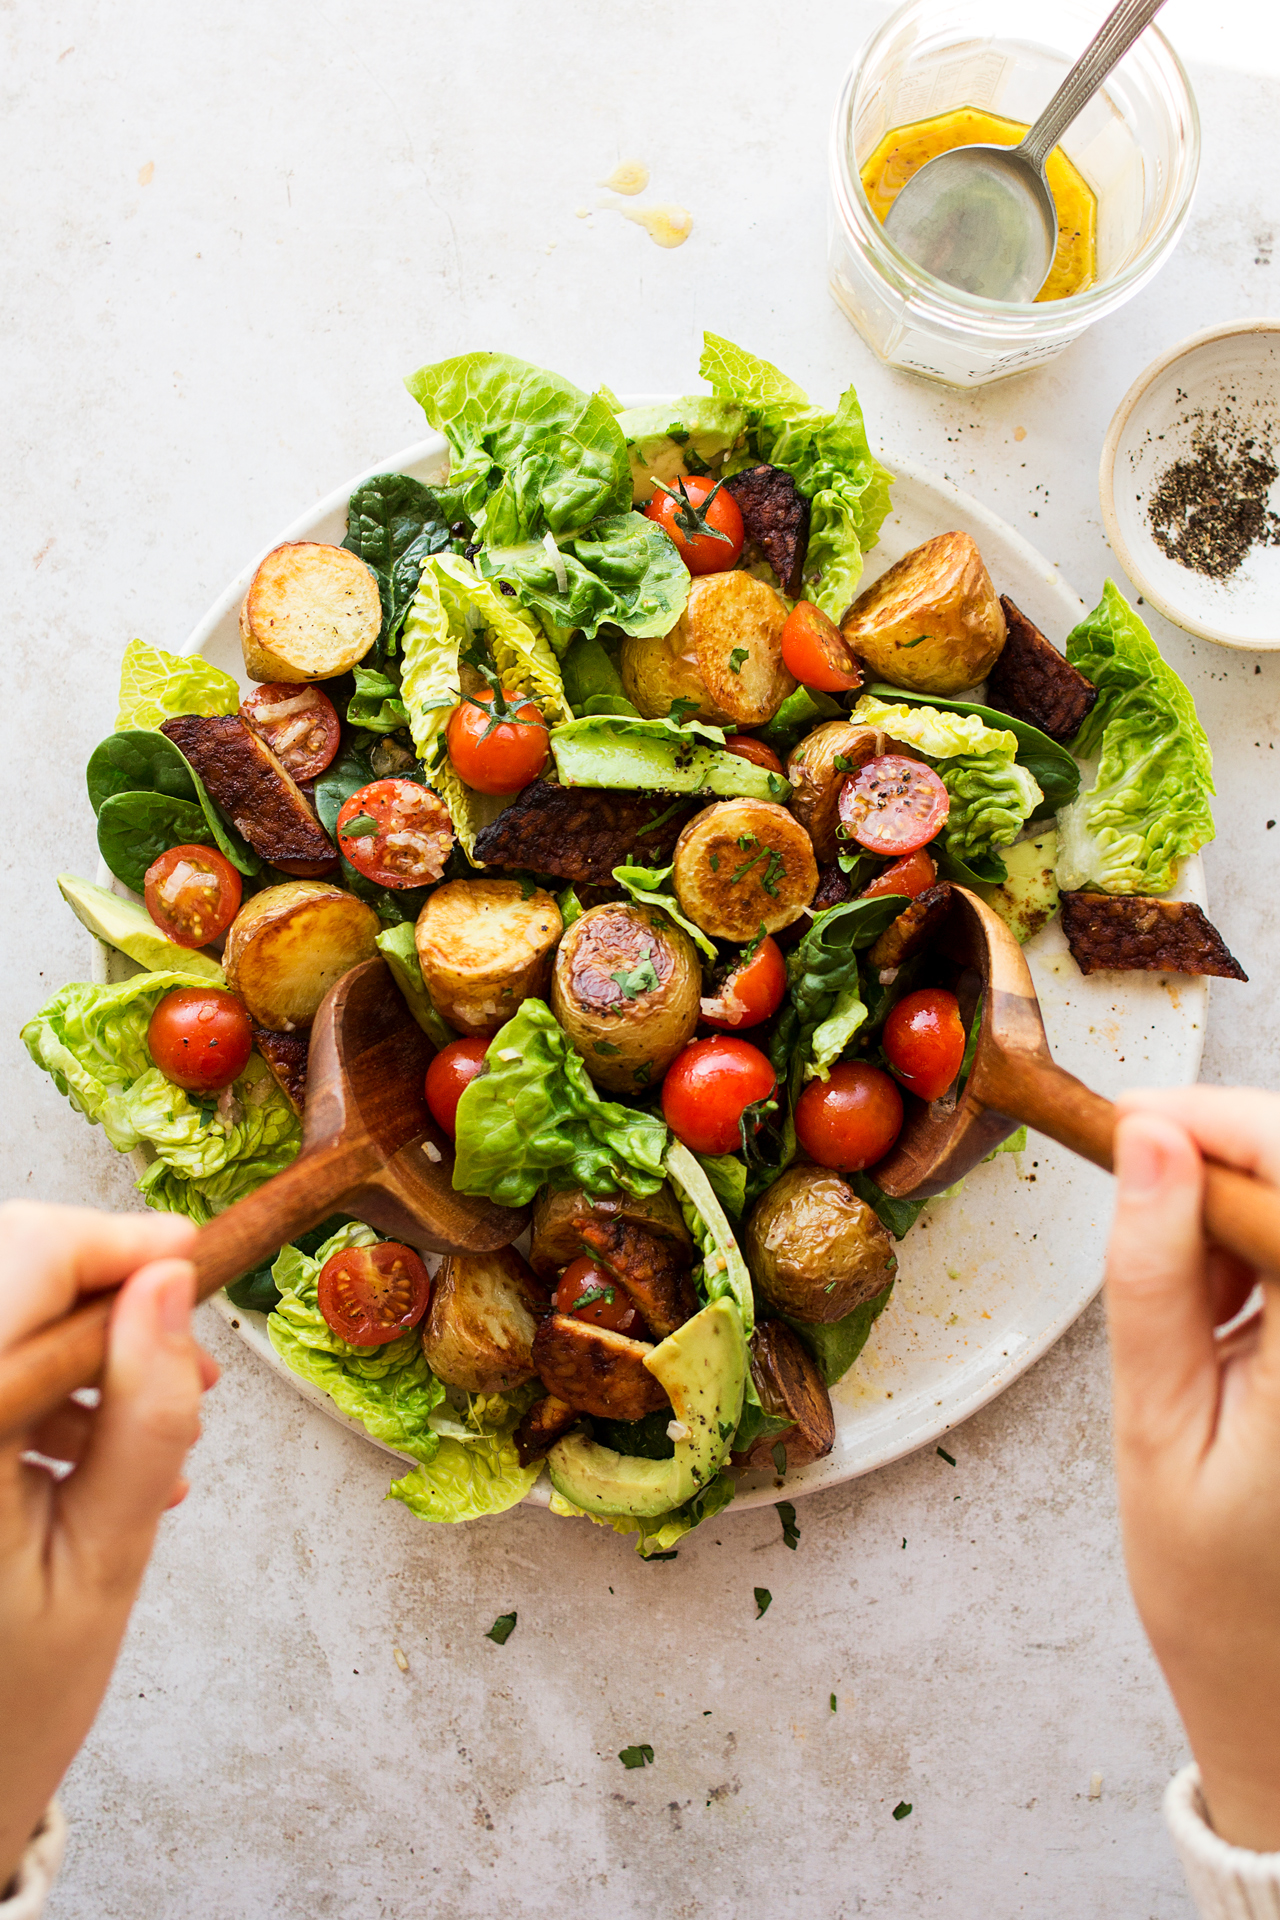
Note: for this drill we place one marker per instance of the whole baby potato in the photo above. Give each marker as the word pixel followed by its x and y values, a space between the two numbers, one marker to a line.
pixel 933 622
pixel 815 1250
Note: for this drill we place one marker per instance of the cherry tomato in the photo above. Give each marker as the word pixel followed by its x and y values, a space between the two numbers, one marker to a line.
pixel 752 992
pixel 748 748
pixel 370 1295
pixel 709 1087
pixel 851 1119
pixel 396 833
pixel 911 876
pixel 924 1039
pixel 704 522
pixel 502 760
pixel 612 1307
pixel 448 1077
pixel 299 724
pixel 200 1038
pixel 814 650
pixel 893 805
pixel 192 893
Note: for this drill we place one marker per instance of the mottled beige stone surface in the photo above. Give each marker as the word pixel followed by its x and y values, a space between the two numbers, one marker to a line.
pixel 231 230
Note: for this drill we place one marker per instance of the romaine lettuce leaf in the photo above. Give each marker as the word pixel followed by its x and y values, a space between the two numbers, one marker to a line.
pixel 827 455
pixel 658 1533
pixel 376 704
pixel 723 1269
pixel 992 795
pixel 475 1468
pixel 533 1112
pixel 156 686
pixel 399 948
pixel 1148 808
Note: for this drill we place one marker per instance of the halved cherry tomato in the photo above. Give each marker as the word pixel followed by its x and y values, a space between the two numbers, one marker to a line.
pixel 200 1038
pixel 709 1087
pixel 449 1076
pixel 893 805
pixel 370 1295
pixel 704 522
pixel 851 1119
pixel 748 748
pixel 496 756
pixel 910 876
pixel 605 1301
pixel 396 833
pixel 299 724
pixel 192 893
pixel 814 650
pixel 924 1040
pixel 752 992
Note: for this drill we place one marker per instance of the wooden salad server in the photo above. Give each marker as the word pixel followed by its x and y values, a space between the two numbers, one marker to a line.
pixel 369 1148
pixel 1014 1080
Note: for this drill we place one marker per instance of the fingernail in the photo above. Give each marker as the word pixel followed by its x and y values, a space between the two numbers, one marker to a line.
pixel 174 1300
pixel 1140 1160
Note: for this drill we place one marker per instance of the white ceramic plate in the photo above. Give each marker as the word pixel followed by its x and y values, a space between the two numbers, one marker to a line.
pixel 990 1279
pixel 1233 373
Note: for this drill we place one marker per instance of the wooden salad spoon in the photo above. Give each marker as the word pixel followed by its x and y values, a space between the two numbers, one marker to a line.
pixel 369 1148
pixel 1015 1081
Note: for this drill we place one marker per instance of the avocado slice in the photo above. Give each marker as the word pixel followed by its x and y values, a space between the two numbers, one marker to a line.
pixel 129 928
pixel 677 437
pixel 653 756
pixel 703 1367
pixel 1027 898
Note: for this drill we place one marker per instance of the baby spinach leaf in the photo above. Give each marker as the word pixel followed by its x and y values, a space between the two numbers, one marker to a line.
pixel 136 828
pixel 137 761
pixel 393 523
pixel 836 1347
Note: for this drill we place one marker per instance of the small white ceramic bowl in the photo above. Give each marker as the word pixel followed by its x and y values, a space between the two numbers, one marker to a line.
pixel 1223 386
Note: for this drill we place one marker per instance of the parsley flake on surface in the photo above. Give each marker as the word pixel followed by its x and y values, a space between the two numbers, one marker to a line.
pixel 360 828
pixel 502 1629
pixel 902 1809
pixel 642 978
pixel 604 1046
pixel 779 1458
pixel 590 1297
pixel 790 1531
pixel 833 1703
pixel 641 1756
pixel 737 657
pixel 681 710
pixel 842 763
pixel 764 1600
pixel 949 1458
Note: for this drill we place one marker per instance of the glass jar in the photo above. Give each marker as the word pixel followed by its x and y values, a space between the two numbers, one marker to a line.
pixel 1137 144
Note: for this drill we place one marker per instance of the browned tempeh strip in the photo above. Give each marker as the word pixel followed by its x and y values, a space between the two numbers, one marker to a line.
pixel 262 801
pixel 1131 932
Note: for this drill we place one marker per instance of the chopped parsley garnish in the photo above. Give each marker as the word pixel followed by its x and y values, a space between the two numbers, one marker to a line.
pixel 642 1072
pixel 949 1458
pixel 726 1429
pixel 604 1046
pixel 906 648
pixel 641 1756
pixel 790 1531
pixel 528 886
pixel 779 1453
pixel 774 872
pixel 833 1703
pixel 746 840
pixel 360 828
pixel 592 1294
pixel 715 863
pixel 842 763
pixel 502 1629
pixel 747 865
pixel 681 710
pixel 664 815
pixel 764 1600
pixel 737 657
pixel 902 1809
pixel 642 978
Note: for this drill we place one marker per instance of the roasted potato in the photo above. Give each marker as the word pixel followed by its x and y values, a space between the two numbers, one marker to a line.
pixel 484 946
pixel 816 779
pixel 933 622
pixel 287 946
pixel 560 1214
pixel 725 652
pixel 594 1370
pixel 814 1249
pixel 791 1388
pixel 741 865
pixel 626 988
pixel 485 1309
pixel 545 1423
pixel 310 613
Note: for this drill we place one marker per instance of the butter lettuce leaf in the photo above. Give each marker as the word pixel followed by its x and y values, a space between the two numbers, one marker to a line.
pixel 1053 769
pixel 156 686
pixel 623 570
pixel 648 888
pixel 658 1533
pixel 723 1269
pixel 475 1468
pixel 533 1112
pixel 938 732
pixel 1148 808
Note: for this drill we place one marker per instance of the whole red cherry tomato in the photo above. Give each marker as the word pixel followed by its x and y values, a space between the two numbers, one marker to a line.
pixel 449 1076
pixel 911 876
pixel 703 520
pixel 709 1087
pixel 396 833
pixel 299 724
pixel 752 992
pixel 851 1119
pixel 370 1295
pixel 200 1038
pixel 192 893
pixel 756 751
pixel 814 650
pixel 590 1292
pixel 496 756
pixel 924 1040
pixel 893 805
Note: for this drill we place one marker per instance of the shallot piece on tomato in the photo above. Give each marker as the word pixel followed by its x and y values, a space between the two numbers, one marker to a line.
pixel 893 805
pixel 299 724
pixel 396 833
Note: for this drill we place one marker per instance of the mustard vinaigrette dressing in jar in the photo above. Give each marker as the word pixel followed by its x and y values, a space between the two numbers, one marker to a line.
pixel 946 73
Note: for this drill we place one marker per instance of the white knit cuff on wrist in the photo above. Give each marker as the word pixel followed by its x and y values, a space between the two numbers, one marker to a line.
pixel 38 1868
pixel 1226 1882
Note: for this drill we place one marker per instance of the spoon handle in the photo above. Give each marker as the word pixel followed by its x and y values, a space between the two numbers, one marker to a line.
pixel 1113 40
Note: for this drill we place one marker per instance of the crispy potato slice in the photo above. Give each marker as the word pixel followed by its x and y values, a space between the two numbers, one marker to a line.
pixel 816 779
pixel 933 622
pixel 560 1214
pixel 594 1370
pixel 791 1388
pixel 744 864
pixel 626 988
pixel 546 1422
pixel 484 946
pixel 815 1250
pixel 725 652
pixel 287 946
pixel 662 668
pixel 310 613
pixel 485 1309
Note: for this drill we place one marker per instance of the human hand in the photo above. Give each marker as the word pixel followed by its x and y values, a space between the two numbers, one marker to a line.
pixel 1197 1439
pixel 73 1552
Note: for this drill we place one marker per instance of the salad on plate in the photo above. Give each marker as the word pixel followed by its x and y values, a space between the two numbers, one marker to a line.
pixel 653 812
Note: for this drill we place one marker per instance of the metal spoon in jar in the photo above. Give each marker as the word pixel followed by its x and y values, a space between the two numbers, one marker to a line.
pixel 982 218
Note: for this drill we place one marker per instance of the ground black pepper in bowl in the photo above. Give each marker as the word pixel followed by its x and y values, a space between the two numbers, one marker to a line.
pixel 1210 509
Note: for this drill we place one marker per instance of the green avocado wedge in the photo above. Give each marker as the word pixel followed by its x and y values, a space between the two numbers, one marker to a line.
pixel 703 1367
pixel 129 928
pixel 657 756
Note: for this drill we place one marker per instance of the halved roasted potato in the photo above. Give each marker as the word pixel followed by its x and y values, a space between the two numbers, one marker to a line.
pixel 725 652
pixel 311 612
pixel 933 622
pixel 626 989
pixel 485 1309
pixel 560 1214
pixel 287 946
pixel 594 1370
pixel 484 946
pixel 744 864
pixel 817 768
pixel 815 1250
pixel 791 1387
